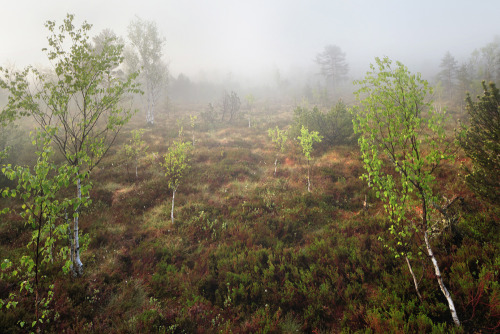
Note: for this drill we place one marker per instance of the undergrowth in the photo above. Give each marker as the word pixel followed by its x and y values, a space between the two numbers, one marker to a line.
pixel 253 252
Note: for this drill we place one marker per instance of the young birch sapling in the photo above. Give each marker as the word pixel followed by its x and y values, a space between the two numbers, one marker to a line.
pixel 250 101
pixel 402 143
pixel 176 165
pixel 306 140
pixel 279 139
pixel 192 120
pixel 136 148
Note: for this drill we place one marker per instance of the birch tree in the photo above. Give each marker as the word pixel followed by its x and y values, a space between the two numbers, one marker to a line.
pixel 333 65
pixel 402 143
pixel 146 54
pixel 448 73
pixel 250 102
pixel 279 139
pixel 136 148
pixel 306 140
pixel 80 103
pixel 176 164
pixel 192 122
pixel 43 213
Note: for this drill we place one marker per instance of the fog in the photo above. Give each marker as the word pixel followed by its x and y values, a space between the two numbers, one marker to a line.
pixel 248 41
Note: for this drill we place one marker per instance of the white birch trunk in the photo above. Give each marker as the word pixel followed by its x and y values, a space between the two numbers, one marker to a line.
pixel 70 240
pixel 77 262
pixel 445 291
pixel 414 278
pixel 51 245
pixel 136 176
pixel 308 178
pixel 275 166
pixel 172 212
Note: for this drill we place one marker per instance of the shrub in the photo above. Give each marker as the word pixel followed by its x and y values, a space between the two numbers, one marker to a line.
pixel 335 125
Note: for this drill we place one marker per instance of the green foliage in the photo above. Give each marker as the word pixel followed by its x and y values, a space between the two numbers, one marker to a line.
pixel 136 147
pixel 176 162
pixel 79 104
pixel 481 142
pixel 4 153
pixel 192 122
pixel 401 142
pixel 335 125
pixel 81 99
pixel 250 100
pixel 306 141
pixel 279 138
pixel 43 212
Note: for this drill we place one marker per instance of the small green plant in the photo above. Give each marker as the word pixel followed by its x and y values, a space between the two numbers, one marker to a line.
pixel 192 120
pixel 250 101
pixel 176 165
pixel 136 148
pixel 279 139
pixel 306 140
pixel 4 153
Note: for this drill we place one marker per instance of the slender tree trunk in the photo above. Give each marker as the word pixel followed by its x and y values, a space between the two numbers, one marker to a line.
pixel 445 291
pixel 37 267
pixel 51 230
pixel 430 253
pixel 172 212
pixel 136 176
pixel 70 239
pixel 78 269
pixel 414 278
pixel 308 177
pixel 275 165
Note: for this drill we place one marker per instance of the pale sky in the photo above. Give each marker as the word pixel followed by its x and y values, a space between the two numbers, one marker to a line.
pixel 258 35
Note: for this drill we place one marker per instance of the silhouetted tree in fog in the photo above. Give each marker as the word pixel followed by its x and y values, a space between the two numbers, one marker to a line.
pixel 448 73
pixel 145 55
pixel 489 69
pixel 230 106
pixel 333 65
